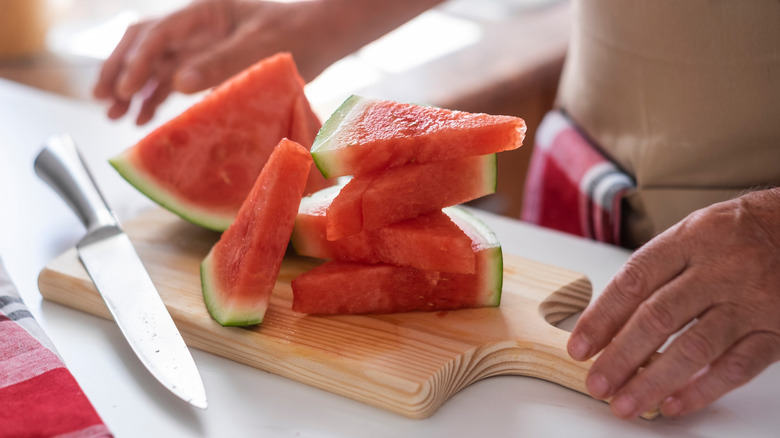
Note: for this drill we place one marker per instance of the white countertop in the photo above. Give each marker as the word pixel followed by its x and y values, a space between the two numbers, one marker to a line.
pixel 35 226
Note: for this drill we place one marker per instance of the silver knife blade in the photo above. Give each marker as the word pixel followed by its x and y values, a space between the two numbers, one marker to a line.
pixel 119 275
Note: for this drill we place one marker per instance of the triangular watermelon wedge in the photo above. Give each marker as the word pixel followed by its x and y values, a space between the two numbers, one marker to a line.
pixel 369 135
pixel 201 165
pixel 239 273
pixel 374 200
pixel 429 242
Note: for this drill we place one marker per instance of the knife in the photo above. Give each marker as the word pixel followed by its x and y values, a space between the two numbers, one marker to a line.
pixel 119 276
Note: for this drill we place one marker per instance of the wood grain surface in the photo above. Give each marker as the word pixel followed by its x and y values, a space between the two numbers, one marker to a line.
pixel 408 363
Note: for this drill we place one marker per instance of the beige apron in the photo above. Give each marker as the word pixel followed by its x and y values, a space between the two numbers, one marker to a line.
pixel 683 94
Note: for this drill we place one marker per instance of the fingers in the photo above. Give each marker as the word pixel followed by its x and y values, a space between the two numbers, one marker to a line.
pixel 149 105
pixel 105 86
pixel 144 54
pixel 117 109
pixel 709 269
pixel 155 92
pixel 663 314
pixel 190 29
pixel 106 83
pixel 688 355
pixel 648 269
pixel 737 366
pixel 150 48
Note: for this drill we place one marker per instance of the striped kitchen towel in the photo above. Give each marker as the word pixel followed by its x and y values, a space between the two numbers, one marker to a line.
pixel 38 395
pixel 571 186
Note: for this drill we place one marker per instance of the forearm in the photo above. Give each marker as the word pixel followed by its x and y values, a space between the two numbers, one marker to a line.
pixel 345 26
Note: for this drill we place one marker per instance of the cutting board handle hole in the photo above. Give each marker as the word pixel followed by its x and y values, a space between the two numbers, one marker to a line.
pixel 562 308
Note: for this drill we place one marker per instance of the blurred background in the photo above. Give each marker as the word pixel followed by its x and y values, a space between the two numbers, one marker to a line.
pixel 492 56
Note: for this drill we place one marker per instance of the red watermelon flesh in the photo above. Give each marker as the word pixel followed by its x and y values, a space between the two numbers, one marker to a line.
pixel 367 135
pixel 338 287
pixel 405 192
pixel 239 273
pixel 344 216
pixel 203 163
pixel 430 242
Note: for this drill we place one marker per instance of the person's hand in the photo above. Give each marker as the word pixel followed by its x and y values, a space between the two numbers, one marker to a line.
pixel 200 46
pixel 208 41
pixel 718 267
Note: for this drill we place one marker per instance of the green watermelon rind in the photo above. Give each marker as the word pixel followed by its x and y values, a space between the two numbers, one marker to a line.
pixel 299 241
pixel 224 316
pixel 146 185
pixel 326 162
pixel 486 238
pixel 491 163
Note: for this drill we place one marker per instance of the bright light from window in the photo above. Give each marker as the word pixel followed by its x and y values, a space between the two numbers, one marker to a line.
pixel 96 41
pixel 430 36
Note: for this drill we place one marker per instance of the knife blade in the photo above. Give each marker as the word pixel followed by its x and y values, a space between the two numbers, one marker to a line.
pixel 119 275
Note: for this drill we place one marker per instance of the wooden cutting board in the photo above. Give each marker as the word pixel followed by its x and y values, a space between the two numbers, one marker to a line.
pixel 407 363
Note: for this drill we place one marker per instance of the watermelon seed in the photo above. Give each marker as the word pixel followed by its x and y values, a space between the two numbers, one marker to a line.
pixel 225 177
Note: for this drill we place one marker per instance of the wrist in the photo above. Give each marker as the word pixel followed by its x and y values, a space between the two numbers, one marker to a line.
pixel 348 25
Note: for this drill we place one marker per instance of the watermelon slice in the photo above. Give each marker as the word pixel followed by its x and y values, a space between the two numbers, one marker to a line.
pixel 430 242
pixel 383 198
pixel 338 287
pixel 239 273
pixel 201 165
pixel 367 135
pixel 345 213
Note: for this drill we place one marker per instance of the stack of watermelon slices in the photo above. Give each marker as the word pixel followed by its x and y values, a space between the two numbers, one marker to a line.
pixel 394 241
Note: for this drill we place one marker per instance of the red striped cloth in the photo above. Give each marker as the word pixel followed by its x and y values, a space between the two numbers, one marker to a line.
pixel 571 186
pixel 38 395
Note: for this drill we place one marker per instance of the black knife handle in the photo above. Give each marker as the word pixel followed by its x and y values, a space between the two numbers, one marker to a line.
pixel 61 166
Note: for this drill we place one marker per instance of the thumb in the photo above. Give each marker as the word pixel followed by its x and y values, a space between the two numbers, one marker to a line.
pixel 214 66
pixel 189 79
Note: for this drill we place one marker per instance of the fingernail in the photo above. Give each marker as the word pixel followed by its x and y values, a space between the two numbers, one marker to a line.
pixel 189 79
pixel 597 385
pixel 624 406
pixel 579 348
pixel 671 407
pixel 123 89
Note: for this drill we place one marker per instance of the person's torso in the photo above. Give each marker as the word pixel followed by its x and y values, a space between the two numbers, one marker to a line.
pixel 684 95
